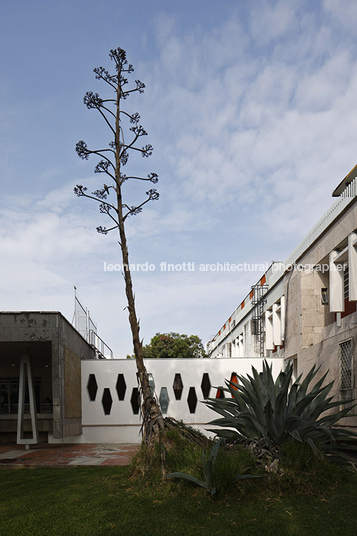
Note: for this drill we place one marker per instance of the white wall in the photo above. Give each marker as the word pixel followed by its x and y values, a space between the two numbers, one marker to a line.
pixel 122 425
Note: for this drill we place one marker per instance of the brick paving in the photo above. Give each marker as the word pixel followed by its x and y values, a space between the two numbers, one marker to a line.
pixel 45 455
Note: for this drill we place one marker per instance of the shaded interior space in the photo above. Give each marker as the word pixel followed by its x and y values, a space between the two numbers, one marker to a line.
pixel 41 363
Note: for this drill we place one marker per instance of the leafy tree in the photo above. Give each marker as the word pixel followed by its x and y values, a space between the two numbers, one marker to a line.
pixel 110 197
pixel 166 345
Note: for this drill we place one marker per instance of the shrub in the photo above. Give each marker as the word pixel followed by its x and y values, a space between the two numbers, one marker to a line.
pixel 270 413
pixel 217 476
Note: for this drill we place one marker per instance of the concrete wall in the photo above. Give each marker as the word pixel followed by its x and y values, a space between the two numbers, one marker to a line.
pixel 71 349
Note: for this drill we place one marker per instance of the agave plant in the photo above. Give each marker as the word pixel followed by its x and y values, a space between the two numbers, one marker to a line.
pixel 271 412
pixel 208 471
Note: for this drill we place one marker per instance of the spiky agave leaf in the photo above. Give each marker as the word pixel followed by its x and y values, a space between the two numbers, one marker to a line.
pixel 272 412
pixel 208 470
pixel 247 477
pixel 189 478
pixel 208 466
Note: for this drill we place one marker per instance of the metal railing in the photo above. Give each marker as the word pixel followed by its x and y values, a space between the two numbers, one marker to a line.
pixel 88 329
pixel 102 349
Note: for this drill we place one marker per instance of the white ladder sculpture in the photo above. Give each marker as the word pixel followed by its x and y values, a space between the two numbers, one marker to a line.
pixel 26 371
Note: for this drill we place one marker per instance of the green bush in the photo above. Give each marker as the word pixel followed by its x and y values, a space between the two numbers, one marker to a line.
pixel 176 451
pixel 298 457
pixel 214 467
pixel 306 472
pixel 219 476
pixel 181 454
pixel 232 463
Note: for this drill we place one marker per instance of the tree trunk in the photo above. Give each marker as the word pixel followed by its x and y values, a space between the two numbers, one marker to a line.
pixel 153 421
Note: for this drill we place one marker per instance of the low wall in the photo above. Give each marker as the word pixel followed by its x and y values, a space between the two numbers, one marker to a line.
pixel 110 409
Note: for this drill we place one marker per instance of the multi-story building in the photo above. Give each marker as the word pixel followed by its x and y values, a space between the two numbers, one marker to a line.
pixel 304 309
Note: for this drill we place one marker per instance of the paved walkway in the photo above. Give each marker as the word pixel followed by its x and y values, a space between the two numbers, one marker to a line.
pixel 44 455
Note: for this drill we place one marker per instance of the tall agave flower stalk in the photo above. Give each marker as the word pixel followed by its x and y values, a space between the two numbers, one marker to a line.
pixel 272 412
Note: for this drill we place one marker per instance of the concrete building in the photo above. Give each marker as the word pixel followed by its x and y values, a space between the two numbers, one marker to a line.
pixel 304 309
pixel 40 365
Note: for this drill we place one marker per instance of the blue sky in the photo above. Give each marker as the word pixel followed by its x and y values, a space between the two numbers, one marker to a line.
pixel 251 109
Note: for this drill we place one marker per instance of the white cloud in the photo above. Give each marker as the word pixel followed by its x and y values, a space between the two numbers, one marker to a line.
pixel 269 21
pixel 343 11
pixel 319 90
pixel 259 129
pixel 253 125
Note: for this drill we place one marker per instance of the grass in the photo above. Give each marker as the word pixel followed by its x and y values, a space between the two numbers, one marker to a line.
pixel 310 498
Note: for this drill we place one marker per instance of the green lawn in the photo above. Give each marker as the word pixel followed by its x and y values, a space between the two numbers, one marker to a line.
pixel 96 501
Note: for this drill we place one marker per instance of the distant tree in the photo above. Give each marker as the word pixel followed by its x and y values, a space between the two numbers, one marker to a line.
pixel 173 345
pixel 126 131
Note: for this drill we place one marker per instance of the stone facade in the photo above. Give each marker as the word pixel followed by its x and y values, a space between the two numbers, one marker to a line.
pixel 304 309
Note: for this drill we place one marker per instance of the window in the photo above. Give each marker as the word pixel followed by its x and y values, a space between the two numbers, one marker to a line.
pixel 345 281
pixel 9 396
pixel 324 296
pixel 349 306
pixel 346 369
pixel 345 360
pixel 240 346
pixel 164 400
pixel 255 326
pixel 295 368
